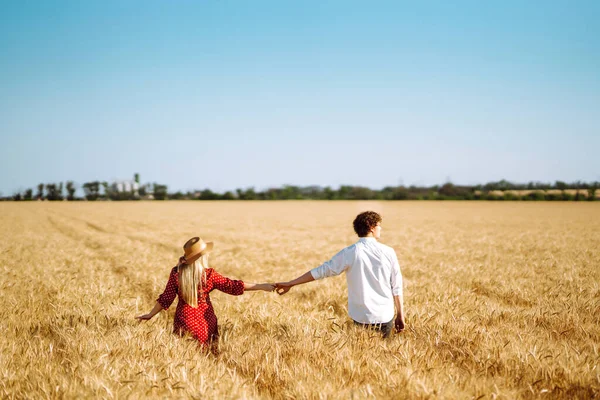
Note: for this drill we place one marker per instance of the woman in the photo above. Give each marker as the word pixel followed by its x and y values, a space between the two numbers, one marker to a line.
pixel 192 280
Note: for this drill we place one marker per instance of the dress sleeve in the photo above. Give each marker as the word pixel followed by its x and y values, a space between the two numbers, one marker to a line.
pixel 226 285
pixel 166 298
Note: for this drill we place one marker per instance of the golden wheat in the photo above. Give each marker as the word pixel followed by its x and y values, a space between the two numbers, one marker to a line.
pixel 502 301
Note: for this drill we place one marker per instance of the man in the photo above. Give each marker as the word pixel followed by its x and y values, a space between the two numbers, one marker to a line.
pixel 373 277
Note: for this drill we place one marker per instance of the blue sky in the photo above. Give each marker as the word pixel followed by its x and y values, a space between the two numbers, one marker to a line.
pixel 226 94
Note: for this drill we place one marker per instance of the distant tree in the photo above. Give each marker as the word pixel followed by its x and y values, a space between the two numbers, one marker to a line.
pixel 537 196
pixel 50 191
pixel 177 196
pixel 159 191
pixel 17 196
pixel 106 190
pixel 248 194
pixel 290 192
pixel 136 178
pixel 329 194
pixel 70 190
pixel 448 190
pixel 228 196
pixel 345 192
pixel 400 193
pixel 92 190
pixel 40 192
pixel 208 194
pixel 560 185
pixel 360 193
pixel 53 191
pixel 28 195
pixel 592 190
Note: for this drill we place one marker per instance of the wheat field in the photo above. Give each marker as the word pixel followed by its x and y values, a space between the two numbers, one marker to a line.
pixel 502 301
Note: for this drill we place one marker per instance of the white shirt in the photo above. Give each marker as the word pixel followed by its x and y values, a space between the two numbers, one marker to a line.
pixel 373 276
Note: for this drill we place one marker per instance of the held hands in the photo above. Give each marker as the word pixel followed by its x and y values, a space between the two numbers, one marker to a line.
pixel 283 287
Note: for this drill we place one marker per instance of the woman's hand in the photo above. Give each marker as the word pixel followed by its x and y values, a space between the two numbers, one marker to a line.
pixel 157 308
pixel 269 287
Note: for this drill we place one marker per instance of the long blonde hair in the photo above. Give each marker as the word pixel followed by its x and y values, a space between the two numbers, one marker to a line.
pixel 190 280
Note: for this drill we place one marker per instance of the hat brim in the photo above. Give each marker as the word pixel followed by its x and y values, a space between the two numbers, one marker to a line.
pixel 194 257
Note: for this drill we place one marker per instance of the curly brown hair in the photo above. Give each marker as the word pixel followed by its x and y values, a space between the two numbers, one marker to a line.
pixel 365 221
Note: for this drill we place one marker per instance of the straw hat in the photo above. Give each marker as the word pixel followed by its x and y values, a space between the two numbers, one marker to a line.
pixel 196 248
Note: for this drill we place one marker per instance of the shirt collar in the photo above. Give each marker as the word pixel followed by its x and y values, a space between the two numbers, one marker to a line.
pixel 367 239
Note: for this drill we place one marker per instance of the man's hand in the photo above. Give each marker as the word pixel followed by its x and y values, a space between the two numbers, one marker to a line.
pixel 144 317
pixel 399 323
pixel 282 287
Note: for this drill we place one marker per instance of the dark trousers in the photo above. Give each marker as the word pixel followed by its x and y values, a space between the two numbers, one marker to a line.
pixel 386 328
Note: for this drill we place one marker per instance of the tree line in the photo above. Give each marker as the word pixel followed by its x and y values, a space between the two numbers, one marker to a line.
pixel 500 190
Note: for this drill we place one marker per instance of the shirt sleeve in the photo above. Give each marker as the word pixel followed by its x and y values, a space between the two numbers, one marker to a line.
pixel 396 277
pixel 226 285
pixel 166 298
pixel 338 264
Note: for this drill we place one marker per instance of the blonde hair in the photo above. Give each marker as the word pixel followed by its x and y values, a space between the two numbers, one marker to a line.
pixel 190 280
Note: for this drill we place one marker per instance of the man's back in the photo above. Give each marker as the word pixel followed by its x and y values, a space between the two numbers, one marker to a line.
pixel 373 276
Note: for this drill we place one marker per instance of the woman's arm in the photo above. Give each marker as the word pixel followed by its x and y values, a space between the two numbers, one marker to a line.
pixel 165 300
pixel 267 287
pixel 284 287
pixel 157 308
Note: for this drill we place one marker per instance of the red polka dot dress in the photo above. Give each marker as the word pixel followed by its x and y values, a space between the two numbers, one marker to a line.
pixel 201 322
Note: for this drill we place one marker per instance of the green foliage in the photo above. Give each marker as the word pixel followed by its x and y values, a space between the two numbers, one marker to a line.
pixel 560 185
pixel 177 196
pixel 70 190
pixel 159 191
pixel 40 191
pixel 491 196
pixel 536 196
pixel 208 194
pixel 592 191
pixel 91 190
pixel 54 191
pixel 448 191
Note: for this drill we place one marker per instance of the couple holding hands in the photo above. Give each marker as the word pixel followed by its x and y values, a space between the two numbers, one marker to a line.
pixel 372 272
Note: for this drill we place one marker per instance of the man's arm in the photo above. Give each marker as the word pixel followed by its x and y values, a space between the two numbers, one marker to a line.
pixel 399 304
pixel 284 287
pixel 397 291
pixel 333 267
